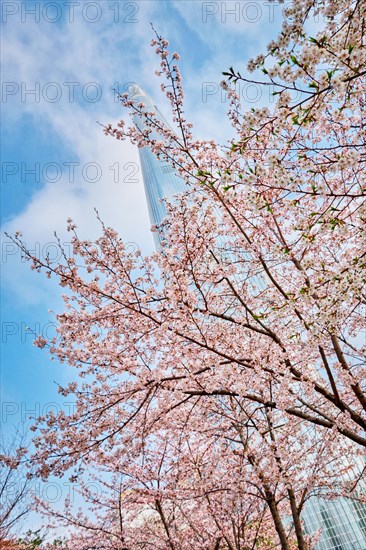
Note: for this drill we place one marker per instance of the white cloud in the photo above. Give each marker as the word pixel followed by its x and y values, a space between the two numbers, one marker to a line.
pixel 75 54
pixel 105 53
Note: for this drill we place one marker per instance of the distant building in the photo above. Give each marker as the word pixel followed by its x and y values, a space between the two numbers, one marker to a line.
pixel 160 181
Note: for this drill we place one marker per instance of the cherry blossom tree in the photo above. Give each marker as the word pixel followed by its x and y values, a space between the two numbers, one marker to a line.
pixel 214 486
pixel 15 488
pixel 289 194
pixel 222 378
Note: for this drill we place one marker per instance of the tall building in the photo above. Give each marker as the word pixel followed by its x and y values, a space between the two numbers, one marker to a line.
pixel 160 181
pixel 342 521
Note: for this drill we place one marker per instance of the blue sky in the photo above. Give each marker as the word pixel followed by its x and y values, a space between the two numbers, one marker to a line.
pixel 72 54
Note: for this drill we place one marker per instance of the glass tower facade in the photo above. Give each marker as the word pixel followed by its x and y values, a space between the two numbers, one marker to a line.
pixel 342 521
pixel 160 180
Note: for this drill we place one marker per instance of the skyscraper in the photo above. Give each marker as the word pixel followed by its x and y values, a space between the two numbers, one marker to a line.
pixel 160 181
pixel 342 520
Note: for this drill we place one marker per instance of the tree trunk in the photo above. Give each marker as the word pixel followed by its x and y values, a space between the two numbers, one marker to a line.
pixel 297 522
pixel 277 521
